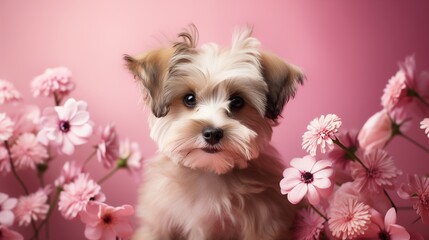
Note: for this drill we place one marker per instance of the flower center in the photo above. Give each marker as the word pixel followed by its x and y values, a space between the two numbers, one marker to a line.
pixel 64 126
pixel 373 173
pixel 307 177
pixel 107 219
pixel 383 235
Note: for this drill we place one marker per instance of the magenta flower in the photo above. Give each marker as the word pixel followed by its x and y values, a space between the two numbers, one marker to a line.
pixel 308 225
pixel 28 151
pixel 381 171
pixel 376 131
pixel 417 190
pixel 69 173
pixel 7 234
pixel 53 81
pixel 424 124
pixel 387 228
pixel 8 93
pixel 320 132
pixel 66 126
pixel 6 206
pixel 32 207
pixel 130 152
pixel 105 222
pixel 307 177
pixel 6 127
pixel 348 218
pixel 77 194
pixel 4 160
pixel 108 148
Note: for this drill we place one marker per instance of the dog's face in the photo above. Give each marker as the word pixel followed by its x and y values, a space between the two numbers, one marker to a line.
pixel 213 108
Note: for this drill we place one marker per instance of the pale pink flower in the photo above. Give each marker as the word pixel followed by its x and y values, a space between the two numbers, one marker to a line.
pixel 424 124
pixel 417 190
pixel 130 152
pixel 53 81
pixel 108 148
pixel 105 222
pixel 376 131
pixel 307 177
pixel 387 228
pixel 348 218
pixel 7 234
pixel 6 127
pixel 320 132
pixel 77 194
pixel 4 160
pixel 8 93
pixel 69 173
pixel 381 171
pixel 32 207
pixel 307 225
pixel 26 120
pixel 6 206
pixel 28 151
pixel 394 92
pixel 66 126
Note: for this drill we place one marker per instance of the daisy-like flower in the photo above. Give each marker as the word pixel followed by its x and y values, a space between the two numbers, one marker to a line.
pixel 7 234
pixel 6 127
pixel 32 207
pixel 320 132
pixel 424 124
pixel 131 154
pixel 381 171
pixel 417 190
pixel 66 126
pixel 4 160
pixel 106 222
pixel 69 173
pixel 28 152
pixel 6 206
pixel 307 177
pixel 108 148
pixel 387 228
pixel 348 218
pixel 77 194
pixel 376 131
pixel 308 225
pixel 8 93
pixel 394 92
pixel 53 81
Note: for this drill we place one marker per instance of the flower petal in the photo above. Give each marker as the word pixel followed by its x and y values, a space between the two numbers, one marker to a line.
pixel 6 218
pixel 324 173
pixel 123 229
pixel 287 185
pixel 322 182
pixel 398 232
pixel 321 164
pixel 303 164
pixel 291 173
pixel 67 147
pixel 83 131
pixel 80 118
pixel 390 218
pixel 297 193
pixel 93 233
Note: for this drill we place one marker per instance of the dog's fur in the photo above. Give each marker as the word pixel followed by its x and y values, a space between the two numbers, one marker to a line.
pixel 224 190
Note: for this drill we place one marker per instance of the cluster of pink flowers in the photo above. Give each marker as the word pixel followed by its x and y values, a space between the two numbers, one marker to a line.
pixel 348 190
pixel 32 139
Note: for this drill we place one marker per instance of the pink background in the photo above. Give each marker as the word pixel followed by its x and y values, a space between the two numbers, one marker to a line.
pixel 348 50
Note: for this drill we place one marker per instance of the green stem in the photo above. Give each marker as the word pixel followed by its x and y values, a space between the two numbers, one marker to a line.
pixel 12 167
pixel 319 212
pixel 413 93
pixel 390 200
pixel 57 99
pixel 414 142
pixel 89 158
pixel 349 153
pixel 107 176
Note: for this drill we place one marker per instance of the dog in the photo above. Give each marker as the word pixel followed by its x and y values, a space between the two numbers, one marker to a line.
pixel 212 112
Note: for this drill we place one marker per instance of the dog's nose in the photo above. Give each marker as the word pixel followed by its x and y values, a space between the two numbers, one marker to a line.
pixel 212 135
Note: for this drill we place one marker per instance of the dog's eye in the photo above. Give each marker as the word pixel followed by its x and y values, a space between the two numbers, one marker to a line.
pixel 236 102
pixel 190 100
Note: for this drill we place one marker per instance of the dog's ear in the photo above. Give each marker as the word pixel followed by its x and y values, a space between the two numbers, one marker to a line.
pixel 151 69
pixel 282 79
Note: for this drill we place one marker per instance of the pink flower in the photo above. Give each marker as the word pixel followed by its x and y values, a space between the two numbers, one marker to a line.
pixel 130 152
pixel 381 171
pixel 66 126
pixel 77 194
pixel 417 189
pixel 8 93
pixel 7 234
pixel 69 173
pixel 424 124
pixel 26 120
pixel 308 225
pixel 32 207
pixel 108 148
pixel 307 177
pixel 387 229
pixel 341 159
pixel 6 206
pixel 105 222
pixel 28 152
pixel 348 218
pixel 53 81
pixel 376 131
pixel 320 131
pixel 6 127
pixel 4 160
